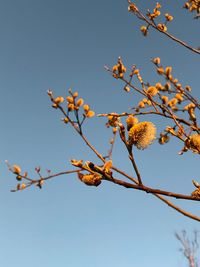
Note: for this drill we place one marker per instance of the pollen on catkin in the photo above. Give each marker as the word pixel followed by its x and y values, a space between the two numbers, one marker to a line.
pixel 152 91
pixel 130 121
pixel 195 143
pixel 142 134
pixel 90 179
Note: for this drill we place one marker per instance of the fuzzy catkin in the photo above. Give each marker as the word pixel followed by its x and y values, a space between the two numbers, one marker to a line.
pixel 142 134
pixel 195 143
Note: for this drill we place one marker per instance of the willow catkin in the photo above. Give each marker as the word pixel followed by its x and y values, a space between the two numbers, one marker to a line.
pixel 142 134
pixel 195 143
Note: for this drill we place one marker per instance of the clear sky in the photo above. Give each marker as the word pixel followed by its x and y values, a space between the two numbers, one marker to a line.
pixel 61 44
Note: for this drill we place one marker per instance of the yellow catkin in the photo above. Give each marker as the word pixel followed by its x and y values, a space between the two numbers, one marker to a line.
pixel 127 88
pixel 123 69
pixel 162 27
pixel 130 121
pixel 156 60
pixel 144 30
pixel 193 7
pixel 179 97
pixel 54 106
pixel 115 68
pixel 90 114
pixel 186 5
pixel 58 100
pixel 168 17
pixel 139 78
pixel 158 5
pixel 163 139
pixel 195 143
pixel 66 120
pixel 114 130
pixel 70 99
pixel 113 121
pixel 165 99
pixel 75 94
pixel 22 186
pixel 16 169
pixel 71 107
pixel 141 104
pixel 152 91
pixel 167 86
pixel 156 13
pixel 142 134
pixel 189 106
pixel 145 100
pixel 90 179
pixel 175 80
pixel 132 7
pixel 136 71
pixel 107 166
pixel 159 86
pixel 149 103
pixel 168 70
pixel 170 130
pixel 188 88
pixel 178 85
pixel 80 102
pixel 172 102
pixel 160 70
pixel 18 177
pixel 77 163
pixel 86 108
pixel 196 193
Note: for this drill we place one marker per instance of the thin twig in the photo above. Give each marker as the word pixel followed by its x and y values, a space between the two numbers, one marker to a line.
pixel 149 22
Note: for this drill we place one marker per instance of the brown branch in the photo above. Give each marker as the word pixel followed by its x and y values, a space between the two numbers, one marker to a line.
pixel 131 157
pixel 60 173
pixel 150 112
pixel 37 181
pixel 151 190
pixel 169 203
pixel 82 136
pixel 129 149
pixel 112 142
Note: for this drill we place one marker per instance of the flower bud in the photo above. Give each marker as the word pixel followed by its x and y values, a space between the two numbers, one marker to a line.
pixel 16 169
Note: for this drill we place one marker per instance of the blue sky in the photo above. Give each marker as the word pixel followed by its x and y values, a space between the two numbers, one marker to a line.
pixel 62 44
